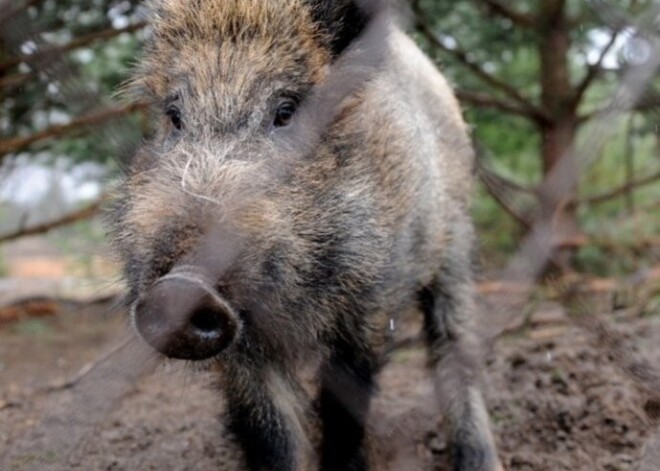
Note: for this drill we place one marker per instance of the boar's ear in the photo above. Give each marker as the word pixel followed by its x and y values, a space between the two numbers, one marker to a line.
pixel 342 20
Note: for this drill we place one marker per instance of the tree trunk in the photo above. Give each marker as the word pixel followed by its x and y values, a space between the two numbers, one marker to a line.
pixel 558 132
pixel 557 193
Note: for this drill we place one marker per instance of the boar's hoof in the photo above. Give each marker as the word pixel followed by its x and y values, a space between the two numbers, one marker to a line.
pixel 184 317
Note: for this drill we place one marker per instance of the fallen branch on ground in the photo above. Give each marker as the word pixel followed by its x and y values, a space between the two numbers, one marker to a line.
pixel 86 369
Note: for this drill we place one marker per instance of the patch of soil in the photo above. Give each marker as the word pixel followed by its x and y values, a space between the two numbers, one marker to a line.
pixel 556 401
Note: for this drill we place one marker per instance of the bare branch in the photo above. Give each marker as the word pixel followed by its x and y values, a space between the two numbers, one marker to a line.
pixel 647 102
pixel 86 369
pixel 71 218
pixel 47 53
pixel 7 15
pixel 463 58
pixel 16 144
pixel 623 189
pixel 16 80
pixel 504 204
pixel 503 182
pixel 484 100
pixel 518 18
pixel 594 69
pixel 493 184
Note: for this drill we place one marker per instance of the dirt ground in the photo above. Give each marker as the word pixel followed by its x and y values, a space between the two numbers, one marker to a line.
pixel 557 402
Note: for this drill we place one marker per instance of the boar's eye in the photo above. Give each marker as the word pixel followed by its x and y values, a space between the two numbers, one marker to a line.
pixel 284 113
pixel 175 116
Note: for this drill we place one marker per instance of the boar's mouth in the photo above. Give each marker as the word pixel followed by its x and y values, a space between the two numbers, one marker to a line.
pixel 184 317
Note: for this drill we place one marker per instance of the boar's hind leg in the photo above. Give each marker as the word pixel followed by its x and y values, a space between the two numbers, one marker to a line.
pixel 446 305
pixel 266 409
pixel 346 388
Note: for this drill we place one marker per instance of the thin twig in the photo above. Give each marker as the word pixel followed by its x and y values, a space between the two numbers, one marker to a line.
pixel 498 187
pixel 525 20
pixel 86 369
pixel 48 53
pixel 463 58
pixel 484 100
pixel 42 228
pixel 402 344
pixel 647 101
pixel 16 144
pixel 623 189
pixel 8 14
pixel 502 201
pixel 16 80
pixel 594 69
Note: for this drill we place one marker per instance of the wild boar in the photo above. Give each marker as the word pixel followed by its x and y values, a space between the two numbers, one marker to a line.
pixel 308 180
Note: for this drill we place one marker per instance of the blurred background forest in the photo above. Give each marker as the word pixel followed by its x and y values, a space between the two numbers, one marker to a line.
pixel 563 97
pixel 540 80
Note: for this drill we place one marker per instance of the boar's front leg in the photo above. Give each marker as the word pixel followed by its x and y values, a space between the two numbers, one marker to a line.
pixel 266 410
pixel 347 385
pixel 446 305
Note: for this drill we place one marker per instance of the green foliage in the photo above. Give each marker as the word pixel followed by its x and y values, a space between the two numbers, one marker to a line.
pixel 473 36
pixel 85 79
pixel 3 266
pixel 497 232
pixel 69 84
pixel 511 140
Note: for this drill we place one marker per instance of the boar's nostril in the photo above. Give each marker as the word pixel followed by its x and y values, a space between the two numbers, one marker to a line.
pixel 183 317
pixel 207 321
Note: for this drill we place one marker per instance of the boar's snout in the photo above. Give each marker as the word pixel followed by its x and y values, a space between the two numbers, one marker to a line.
pixel 184 317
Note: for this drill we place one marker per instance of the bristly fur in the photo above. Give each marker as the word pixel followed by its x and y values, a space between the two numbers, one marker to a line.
pixel 264 27
pixel 315 245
